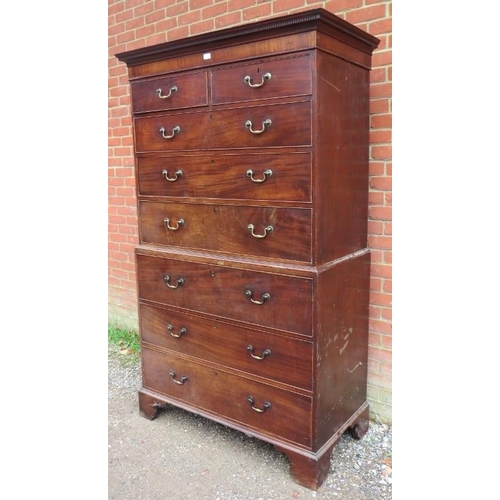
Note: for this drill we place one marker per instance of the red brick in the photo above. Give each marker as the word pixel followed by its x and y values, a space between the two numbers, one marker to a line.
pixel 280 6
pixel 381 183
pixel 381 121
pixel 115 7
pixel 125 37
pixel 134 23
pixel 216 10
pixel 228 20
pixel 117 29
pixel 382 271
pixel 375 227
pixel 383 242
pixel 375 198
pixel 378 75
pixel 383 356
pixel 374 312
pixel 189 18
pixel 178 33
pixel 155 16
pixel 380 326
pixel 379 106
pixel 262 10
pixel 234 5
pixel 380 213
pixel 144 9
pixel 178 8
pixel 380 136
pixel 375 284
pixel 381 58
pixel 124 15
pixel 381 152
pixel 202 27
pixel 380 26
pixel 199 4
pixel 366 14
pixel 381 90
pixel 340 5
pixel 386 369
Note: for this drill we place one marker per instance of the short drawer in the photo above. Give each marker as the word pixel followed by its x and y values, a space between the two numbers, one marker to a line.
pixel 275 125
pixel 270 232
pixel 170 92
pixel 265 408
pixel 260 298
pixel 264 79
pixel 275 357
pixel 251 176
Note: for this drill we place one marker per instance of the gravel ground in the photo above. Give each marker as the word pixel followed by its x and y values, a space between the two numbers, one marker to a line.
pixel 181 456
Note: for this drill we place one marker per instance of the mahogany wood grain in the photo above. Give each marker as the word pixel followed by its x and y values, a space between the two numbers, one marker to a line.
pixel 289 77
pixel 289 360
pixel 210 288
pixel 225 176
pixel 220 392
pixel 341 193
pixel 225 128
pixel 342 345
pixel 280 233
pixel 192 91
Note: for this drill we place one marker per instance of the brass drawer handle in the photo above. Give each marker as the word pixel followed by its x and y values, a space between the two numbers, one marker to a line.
pixel 175 130
pixel 265 78
pixel 267 230
pixel 177 174
pixel 166 221
pixel 267 173
pixel 181 381
pixel 265 124
pixel 173 90
pixel 166 279
pixel 265 406
pixel 182 331
pixel 265 297
pixel 265 352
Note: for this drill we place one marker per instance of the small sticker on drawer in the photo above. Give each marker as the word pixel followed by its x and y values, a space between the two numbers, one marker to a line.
pixel 207 55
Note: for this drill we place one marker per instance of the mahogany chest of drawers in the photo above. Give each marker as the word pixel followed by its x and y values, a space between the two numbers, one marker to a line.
pixel 251 147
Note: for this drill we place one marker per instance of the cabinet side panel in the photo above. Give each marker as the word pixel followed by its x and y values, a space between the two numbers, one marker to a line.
pixel 342 130
pixel 342 345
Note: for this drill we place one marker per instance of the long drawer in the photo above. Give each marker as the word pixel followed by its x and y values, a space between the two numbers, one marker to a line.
pixel 250 176
pixel 261 298
pixel 270 232
pixel 250 127
pixel 275 357
pixel 277 412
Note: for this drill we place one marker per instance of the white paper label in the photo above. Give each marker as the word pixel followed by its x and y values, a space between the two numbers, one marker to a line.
pixel 207 56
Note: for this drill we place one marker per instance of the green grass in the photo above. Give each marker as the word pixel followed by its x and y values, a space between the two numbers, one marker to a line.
pixel 127 340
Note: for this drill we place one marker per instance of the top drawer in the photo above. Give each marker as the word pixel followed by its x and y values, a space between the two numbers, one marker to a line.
pixel 262 80
pixel 170 92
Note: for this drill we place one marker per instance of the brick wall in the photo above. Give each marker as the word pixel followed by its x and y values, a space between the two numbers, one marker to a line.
pixel 140 23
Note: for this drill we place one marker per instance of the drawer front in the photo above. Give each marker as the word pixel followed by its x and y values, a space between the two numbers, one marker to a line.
pixel 262 80
pixel 170 92
pixel 288 414
pixel 270 232
pixel 251 177
pixel 271 356
pixel 284 302
pixel 288 125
